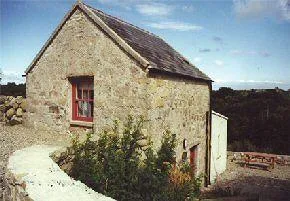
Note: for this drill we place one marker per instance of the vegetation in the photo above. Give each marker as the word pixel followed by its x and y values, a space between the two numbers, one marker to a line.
pixel 12 89
pixel 258 119
pixel 124 166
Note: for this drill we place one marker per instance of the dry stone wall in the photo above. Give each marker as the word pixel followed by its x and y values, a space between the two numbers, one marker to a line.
pixel 15 189
pixel 12 109
pixel 121 87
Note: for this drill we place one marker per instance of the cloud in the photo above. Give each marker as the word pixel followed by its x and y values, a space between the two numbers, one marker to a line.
pixel 250 53
pixel 251 8
pixel 259 9
pixel 261 81
pixel 248 81
pixel 219 62
pixel 237 52
pixel 123 4
pixel 204 50
pixel 285 9
pixel 250 84
pixel 154 9
pixel 187 8
pixel 242 52
pixel 106 1
pixel 11 76
pixel 197 59
pixel 177 26
pixel 265 54
pixel 217 39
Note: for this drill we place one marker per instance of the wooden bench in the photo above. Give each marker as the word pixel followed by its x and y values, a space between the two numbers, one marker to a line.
pixel 259 159
pixel 283 160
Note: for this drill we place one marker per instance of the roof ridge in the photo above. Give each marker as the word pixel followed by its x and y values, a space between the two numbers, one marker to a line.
pixel 122 21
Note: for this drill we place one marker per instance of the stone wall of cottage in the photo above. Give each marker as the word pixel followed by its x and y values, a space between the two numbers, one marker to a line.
pixel 180 106
pixel 15 188
pixel 121 87
pixel 79 49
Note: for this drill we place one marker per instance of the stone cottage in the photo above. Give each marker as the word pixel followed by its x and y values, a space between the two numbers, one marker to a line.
pixel 95 68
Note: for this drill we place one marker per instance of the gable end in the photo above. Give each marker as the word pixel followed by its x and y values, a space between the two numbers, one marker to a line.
pixel 101 24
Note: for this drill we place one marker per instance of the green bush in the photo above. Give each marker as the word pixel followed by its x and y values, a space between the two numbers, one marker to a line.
pixel 122 166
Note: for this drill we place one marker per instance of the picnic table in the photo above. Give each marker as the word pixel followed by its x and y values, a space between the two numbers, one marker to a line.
pixel 265 159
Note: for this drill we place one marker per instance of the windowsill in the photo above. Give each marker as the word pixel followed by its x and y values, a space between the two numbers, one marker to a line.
pixel 81 123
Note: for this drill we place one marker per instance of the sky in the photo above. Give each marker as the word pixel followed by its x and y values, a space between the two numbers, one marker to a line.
pixel 241 44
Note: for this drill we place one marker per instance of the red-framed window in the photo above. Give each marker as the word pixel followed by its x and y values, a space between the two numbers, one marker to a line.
pixel 82 99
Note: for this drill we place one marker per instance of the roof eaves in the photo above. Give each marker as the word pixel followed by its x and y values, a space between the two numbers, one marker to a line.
pixel 175 74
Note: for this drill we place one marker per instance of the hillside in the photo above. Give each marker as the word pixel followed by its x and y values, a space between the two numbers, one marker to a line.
pixel 259 120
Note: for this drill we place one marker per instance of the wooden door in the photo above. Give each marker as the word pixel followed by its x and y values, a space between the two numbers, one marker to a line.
pixel 193 158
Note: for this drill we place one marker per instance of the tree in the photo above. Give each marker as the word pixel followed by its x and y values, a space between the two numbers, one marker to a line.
pixel 257 118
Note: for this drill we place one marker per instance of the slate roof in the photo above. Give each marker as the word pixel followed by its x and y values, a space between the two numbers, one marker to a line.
pixel 142 45
pixel 161 56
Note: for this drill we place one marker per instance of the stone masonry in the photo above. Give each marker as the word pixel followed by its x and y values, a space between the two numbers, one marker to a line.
pixel 121 87
pixel 12 109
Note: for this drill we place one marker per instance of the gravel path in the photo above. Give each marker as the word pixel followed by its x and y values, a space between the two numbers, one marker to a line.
pixel 234 169
pixel 17 137
pixel 44 179
pixel 251 183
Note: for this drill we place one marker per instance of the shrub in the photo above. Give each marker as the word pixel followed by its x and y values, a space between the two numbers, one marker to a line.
pixel 166 153
pixel 122 166
pixel 84 163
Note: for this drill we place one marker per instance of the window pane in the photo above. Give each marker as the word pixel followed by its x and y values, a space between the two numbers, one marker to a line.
pixel 86 85
pixel 91 85
pixel 80 109
pixel 85 109
pixel 92 109
pixel 91 94
pixel 82 85
pixel 79 94
pixel 89 109
pixel 85 94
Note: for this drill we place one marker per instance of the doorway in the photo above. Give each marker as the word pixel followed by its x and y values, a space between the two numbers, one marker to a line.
pixel 193 158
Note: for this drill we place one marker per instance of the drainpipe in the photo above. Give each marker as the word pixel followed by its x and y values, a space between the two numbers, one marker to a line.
pixel 208 139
